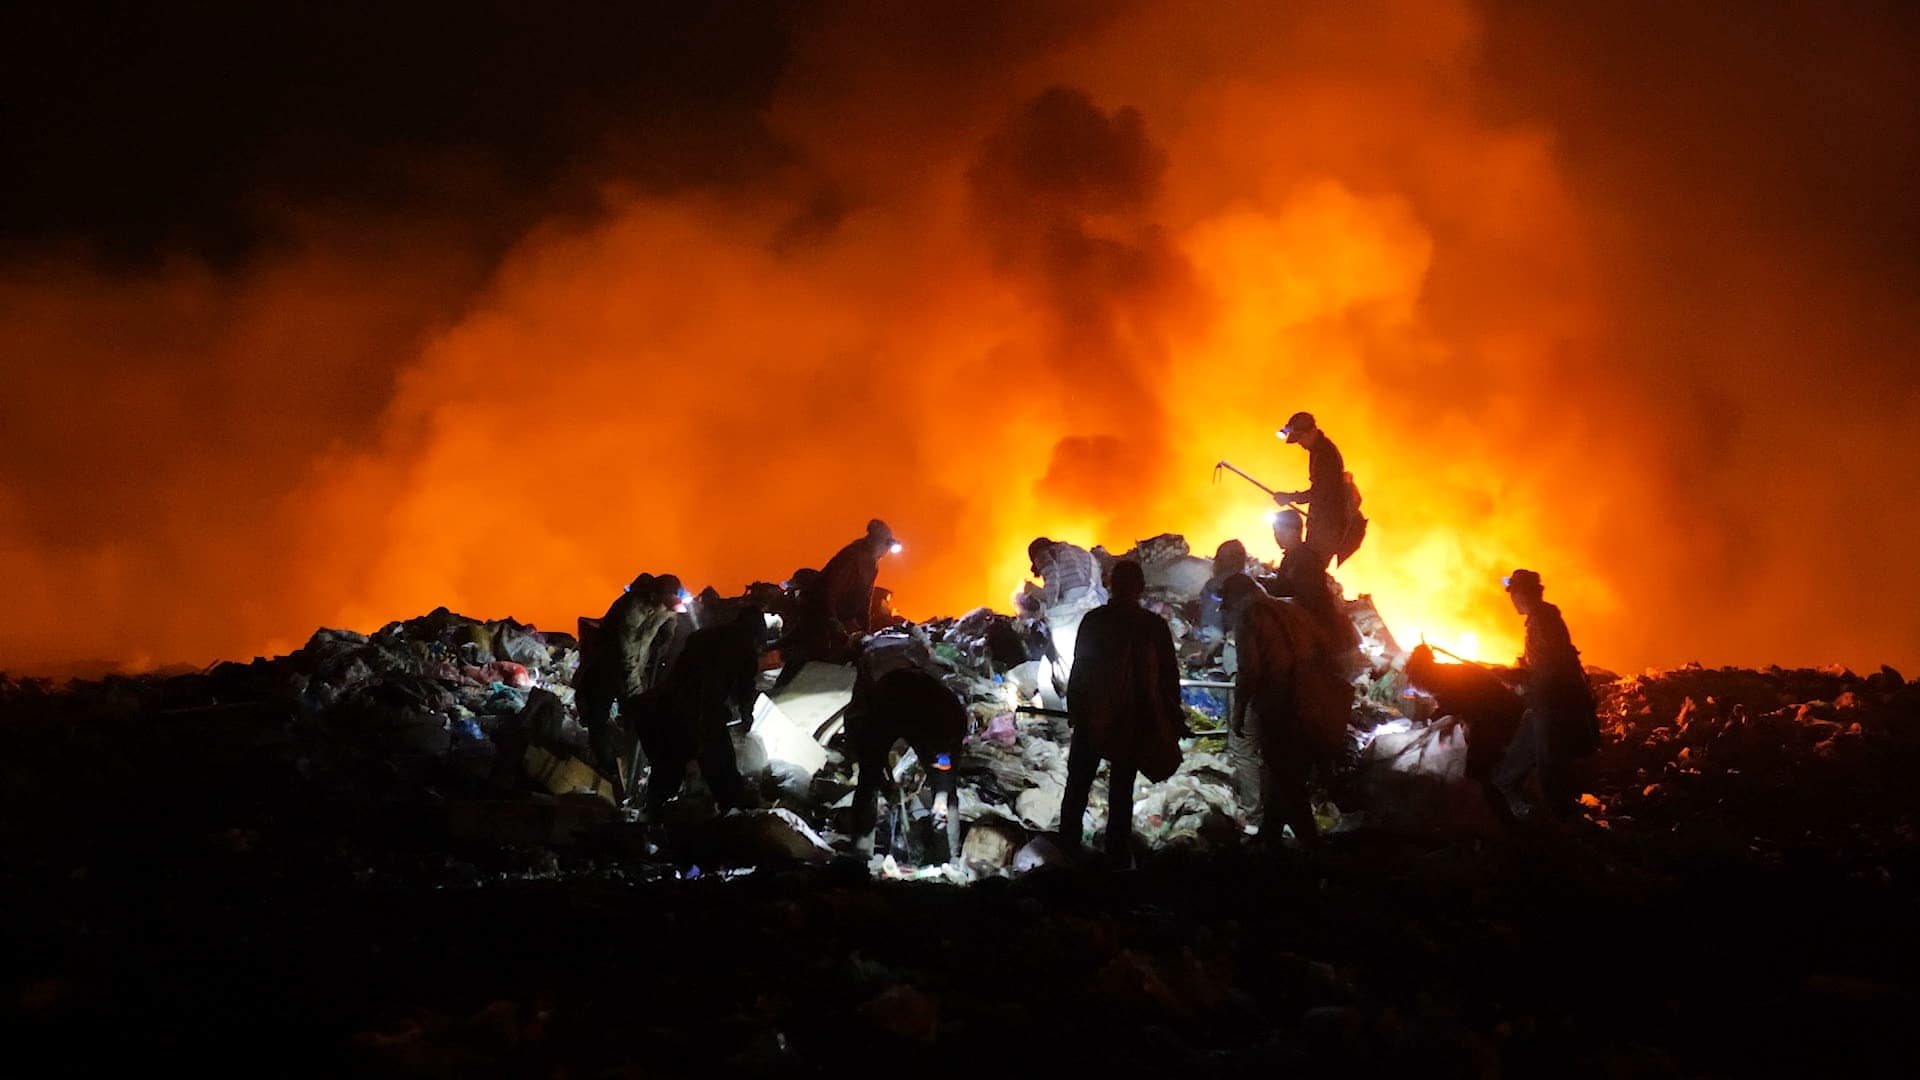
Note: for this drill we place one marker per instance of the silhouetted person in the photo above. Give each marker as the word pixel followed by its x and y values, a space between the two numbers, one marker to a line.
pixel 1332 517
pixel 1559 723
pixel 618 662
pixel 846 582
pixel 1124 700
pixel 912 705
pixel 686 718
pixel 1229 558
pixel 1485 706
pixel 834 605
pixel 1290 679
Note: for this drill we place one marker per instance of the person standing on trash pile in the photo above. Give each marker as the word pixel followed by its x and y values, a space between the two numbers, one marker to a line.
pixel 686 719
pixel 846 582
pixel 1070 588
pixel 1333 518
pixel 1290 679
pixel 836 604
pixel 1487 709
pixel 1303 578
pixel 616 664
pixel 1123 699
pixel 1560 721
pixel 910 704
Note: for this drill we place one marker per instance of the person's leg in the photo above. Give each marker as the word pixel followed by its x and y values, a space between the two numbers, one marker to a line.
pixel 1082 764
pixel 664 778
pixel 1522 757
pixel 1120 777
pixel 945 783
pixel 866 794
pixel 1556 772
pixel 1285 778
pixel 718 766
pixel 596 714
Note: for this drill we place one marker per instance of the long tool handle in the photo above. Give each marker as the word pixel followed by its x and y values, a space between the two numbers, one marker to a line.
pixel 1455 655
pixel 1230 467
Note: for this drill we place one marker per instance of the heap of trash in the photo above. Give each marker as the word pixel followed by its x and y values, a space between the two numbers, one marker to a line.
pixel 469 725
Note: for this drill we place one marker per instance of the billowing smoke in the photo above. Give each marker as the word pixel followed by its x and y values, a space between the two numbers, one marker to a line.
pixel 990 276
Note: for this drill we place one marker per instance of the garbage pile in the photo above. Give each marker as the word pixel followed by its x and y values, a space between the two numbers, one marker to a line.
pixel 1776 759
pixel 473 720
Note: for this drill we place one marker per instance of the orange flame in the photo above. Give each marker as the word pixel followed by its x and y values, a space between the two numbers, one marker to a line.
pixel 1055 286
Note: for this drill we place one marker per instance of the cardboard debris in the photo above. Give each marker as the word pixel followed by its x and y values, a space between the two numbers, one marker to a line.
pixel 783 739
pixel 565 775
pixel 814 699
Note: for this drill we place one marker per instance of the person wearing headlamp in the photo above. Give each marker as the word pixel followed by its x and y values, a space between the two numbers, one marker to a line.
pixel 1334 526
pixel 1560 722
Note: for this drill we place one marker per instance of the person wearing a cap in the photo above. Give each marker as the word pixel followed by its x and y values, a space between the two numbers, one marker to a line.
pixel 1326 498
pixel 1560 722
pixel 1070 588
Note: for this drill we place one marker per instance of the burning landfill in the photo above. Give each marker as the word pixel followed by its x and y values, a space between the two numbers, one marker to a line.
pixel 448 752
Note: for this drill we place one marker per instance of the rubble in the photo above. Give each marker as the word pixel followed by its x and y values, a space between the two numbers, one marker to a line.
pixel 366 802
pixel 453 712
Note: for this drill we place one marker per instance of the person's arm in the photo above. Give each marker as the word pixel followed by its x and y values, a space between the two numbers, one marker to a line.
pixel 1247 677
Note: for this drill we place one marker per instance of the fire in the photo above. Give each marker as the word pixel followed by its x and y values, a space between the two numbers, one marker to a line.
pixel 1037 294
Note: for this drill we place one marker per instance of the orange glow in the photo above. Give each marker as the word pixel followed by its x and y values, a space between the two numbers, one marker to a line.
pixel 1264 211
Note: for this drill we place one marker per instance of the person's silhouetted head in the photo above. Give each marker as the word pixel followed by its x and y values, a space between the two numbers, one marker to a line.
pixel 1300 429
pixel 1239 591
pixel 1037 551
pixel 1525 589
pixel 1127 583
pixel 1229 558
pixel 1420 666
pixel 1289 529
pixel 880 535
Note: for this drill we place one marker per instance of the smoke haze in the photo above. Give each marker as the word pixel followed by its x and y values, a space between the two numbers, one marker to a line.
pixel 333 329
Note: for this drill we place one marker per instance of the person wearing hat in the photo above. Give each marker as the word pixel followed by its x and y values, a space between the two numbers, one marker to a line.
pixel 1560 722
pixel 1327 498
pixel 1069 588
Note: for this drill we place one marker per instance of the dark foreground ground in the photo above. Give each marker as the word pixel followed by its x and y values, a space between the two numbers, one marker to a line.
pixel 1567 956
pixel 238 887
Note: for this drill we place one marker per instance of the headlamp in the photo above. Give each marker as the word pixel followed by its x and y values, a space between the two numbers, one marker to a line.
pixel 896 548
pixel 1507 582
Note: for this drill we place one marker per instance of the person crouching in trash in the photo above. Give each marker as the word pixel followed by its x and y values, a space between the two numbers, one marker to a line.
pixel 911 705
pixel 617 664
pixel 685 720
